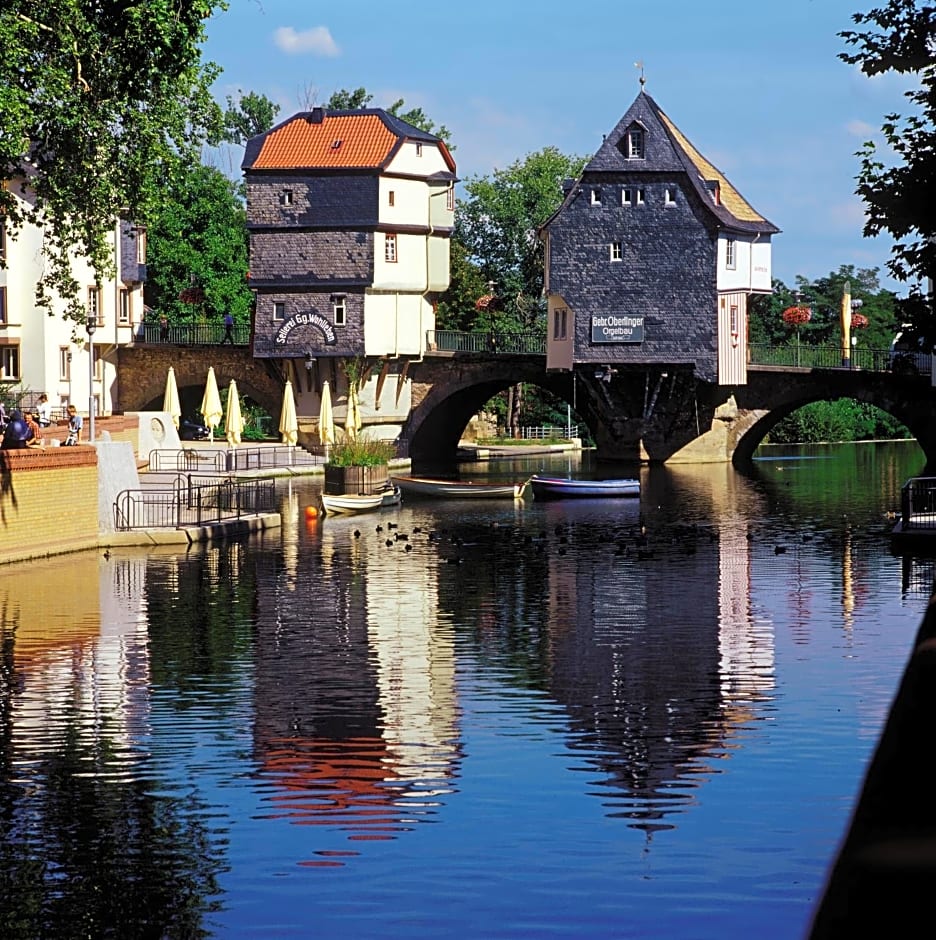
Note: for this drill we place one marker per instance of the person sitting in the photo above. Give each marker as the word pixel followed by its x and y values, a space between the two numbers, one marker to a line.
pixel 44 411
pixel 34 438
pixel 75 424
pixel 17 433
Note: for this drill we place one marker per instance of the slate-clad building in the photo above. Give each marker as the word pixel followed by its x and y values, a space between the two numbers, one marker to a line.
pixel 349 216
pixel 651 257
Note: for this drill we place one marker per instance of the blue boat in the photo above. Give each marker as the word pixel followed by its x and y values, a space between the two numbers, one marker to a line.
pixel 563 488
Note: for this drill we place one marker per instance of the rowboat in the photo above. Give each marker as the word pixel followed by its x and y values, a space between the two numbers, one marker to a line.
pixel 391 496
pixel 335 503
pixel 458 489
pixel 563 488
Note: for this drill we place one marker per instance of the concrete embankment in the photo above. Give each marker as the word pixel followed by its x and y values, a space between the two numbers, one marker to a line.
pixel 881 881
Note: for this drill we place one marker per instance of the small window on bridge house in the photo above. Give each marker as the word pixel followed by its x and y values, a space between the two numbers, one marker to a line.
pixel 340 309
pixel 287 197
pixel 617 251
pixel 560 323
pixel 390 248
pixel 730 254
pixel 635 143
pixel 627 196
pixel 669 196
pixel 596 197
pixel 279 310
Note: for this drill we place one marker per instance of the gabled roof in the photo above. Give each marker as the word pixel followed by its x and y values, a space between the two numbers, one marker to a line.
pixel 321 139
pixel 667 150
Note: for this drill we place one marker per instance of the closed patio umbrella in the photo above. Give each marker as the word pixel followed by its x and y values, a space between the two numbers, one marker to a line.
pixel 233 423
pixel 171 398
pixel 326 417
pixel 288 423
pixel 211 403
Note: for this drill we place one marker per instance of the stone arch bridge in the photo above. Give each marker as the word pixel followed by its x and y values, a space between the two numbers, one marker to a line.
pixel 656 413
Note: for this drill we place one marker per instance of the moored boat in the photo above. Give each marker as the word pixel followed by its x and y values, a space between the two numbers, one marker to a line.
pixel 458 489
pixel 335 503
pixel 564 488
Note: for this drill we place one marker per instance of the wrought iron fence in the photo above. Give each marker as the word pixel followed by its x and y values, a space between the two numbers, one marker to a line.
pixel 190 334
pixel 532 343
pixel 192 503
pixel 547 432
pixel 918 504
pixel 830 357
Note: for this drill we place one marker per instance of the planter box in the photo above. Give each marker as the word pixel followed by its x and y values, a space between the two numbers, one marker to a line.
pixel 355 480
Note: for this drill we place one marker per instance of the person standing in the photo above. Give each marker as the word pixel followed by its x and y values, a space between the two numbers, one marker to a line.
pixel 44 411
pixel 164 329
pixel 228 329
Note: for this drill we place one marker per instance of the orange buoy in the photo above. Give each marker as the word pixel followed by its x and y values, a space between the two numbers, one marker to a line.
pixel 311 512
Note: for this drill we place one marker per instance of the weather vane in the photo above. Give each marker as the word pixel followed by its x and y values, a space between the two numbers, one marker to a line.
pixel 639 65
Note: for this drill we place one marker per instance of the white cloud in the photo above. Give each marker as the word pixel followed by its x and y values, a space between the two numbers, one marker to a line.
pixel 860 129
pixel 317 40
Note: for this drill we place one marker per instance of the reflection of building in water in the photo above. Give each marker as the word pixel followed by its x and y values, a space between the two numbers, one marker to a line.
pixel 76 630
pixel 355 702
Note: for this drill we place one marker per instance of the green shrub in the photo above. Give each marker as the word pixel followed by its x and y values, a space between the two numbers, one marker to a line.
pixel 361 452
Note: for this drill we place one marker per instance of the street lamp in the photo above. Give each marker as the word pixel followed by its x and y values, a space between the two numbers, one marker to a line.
pixel 91 326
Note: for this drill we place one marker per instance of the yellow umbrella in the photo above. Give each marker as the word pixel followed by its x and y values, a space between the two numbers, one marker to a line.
pixel 353 418
pixel 289 424
pixel 211 403
pixel 234 423
pixel 171 398
pixel 326 418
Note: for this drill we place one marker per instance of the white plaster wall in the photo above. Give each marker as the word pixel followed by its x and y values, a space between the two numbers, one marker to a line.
pixel 408 162
pixel 752 264
pixel 396 324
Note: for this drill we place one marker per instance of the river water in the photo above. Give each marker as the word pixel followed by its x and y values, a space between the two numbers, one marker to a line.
pixel 645 718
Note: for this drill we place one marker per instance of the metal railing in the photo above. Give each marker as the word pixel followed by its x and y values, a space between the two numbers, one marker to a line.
pixel 220 460
pixel 830 357
pixel 547 432
pixel 531 343
pixel 918 504
pixel 190 334
pixel 192 504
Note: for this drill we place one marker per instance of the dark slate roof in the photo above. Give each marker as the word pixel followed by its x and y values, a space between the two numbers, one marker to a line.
pixel 367 138
pixel 667 150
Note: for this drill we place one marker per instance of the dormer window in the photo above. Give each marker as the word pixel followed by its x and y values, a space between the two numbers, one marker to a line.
pixel 596 197
pixel 336 144
pixel 287 197
pixel 635 143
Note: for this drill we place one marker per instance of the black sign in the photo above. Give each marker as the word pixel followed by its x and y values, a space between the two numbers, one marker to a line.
pixel 617 329
pixel 305 319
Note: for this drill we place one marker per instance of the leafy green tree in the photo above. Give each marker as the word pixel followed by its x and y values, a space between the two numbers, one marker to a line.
pixel 248 115
pixel 95 100
pixel 457 310
pixel 197 248
pixel 345 100
pixel 899 37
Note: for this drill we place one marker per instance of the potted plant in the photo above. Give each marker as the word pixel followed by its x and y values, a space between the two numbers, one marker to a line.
pixel 358 465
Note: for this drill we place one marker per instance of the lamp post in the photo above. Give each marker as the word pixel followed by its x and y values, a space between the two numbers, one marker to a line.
pixel 91 326
pixel 855 307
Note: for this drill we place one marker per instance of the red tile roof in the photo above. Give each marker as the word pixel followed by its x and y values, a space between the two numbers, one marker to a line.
pixel 339 141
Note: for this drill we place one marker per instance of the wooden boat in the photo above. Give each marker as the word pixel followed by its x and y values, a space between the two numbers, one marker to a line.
pixel 458 489
pixel 391 496
pixel 335 503
pixel 563 488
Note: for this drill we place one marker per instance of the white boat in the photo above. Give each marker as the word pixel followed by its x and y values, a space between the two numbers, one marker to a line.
pixel 335 503
pixel 564 488
pixel 391 496
pixel 459 489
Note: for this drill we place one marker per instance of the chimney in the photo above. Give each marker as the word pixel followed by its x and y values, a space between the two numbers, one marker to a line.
pixel 316 116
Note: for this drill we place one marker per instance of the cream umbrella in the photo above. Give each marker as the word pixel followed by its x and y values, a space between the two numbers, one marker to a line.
pixel 211 403
pixel 326 417
pixel 288 423
pixel 171 398
pixel 233 423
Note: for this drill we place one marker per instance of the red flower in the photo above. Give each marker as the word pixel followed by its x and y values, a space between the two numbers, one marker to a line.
pixel 859 321
pixel 482 303
pixel 796 315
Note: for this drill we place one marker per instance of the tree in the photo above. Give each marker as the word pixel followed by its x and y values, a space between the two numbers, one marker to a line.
pixel 359 98
pixel 896 196
pixel 457 309
pixel 197 248
pixel 95 100
pixel 249 115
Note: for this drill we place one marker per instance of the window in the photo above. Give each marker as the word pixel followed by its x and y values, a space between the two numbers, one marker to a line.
pixel 596 197
pixel 340 309
pixel 560 323
pixel 94 304
pixel 390 248
pixel 730 254
pixel 123 314
pixel 635 143
pixel 64 364
pixel 3 310
pixel 391 198
pixel 9 362
pixel 450 199
pixel 418 150
pixel 733 319
pixel 141 245
pixel 616 251
pixel 626 197
pixel 287 198
pixel 669 196
pixel 639 196
pixel 279 310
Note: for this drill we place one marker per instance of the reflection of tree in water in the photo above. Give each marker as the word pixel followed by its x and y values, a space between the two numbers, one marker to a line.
pixel 607 637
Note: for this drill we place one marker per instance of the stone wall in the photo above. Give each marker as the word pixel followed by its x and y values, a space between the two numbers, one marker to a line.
pixel 48 501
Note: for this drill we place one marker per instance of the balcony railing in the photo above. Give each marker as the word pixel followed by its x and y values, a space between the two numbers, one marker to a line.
pixel 190 334
pixel 531 343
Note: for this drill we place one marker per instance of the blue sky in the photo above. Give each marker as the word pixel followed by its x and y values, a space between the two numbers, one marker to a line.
pixel 757 87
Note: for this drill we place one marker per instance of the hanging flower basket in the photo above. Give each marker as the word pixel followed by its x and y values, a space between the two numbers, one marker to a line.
pixel 796 315
pixel 192 295
pixel 859 321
